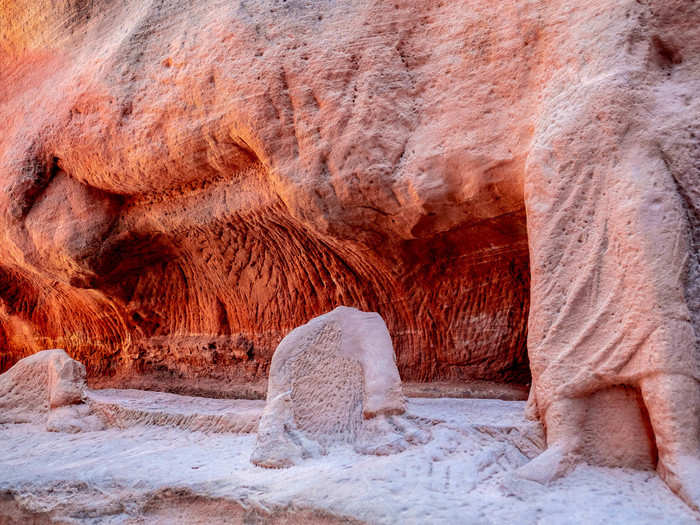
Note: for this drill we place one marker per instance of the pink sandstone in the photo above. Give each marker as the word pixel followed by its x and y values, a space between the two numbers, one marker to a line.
pixel 184 184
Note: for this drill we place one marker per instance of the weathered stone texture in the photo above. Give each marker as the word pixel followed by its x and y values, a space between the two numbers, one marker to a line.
pixel 183 184
pixel 334 380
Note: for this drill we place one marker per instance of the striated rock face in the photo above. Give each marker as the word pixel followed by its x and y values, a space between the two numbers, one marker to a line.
pixel 182 185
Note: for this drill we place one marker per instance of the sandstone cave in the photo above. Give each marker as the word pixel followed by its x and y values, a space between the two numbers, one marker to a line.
pixel 281 257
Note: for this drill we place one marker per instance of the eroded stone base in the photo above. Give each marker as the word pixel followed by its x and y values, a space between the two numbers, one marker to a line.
pixel 155 470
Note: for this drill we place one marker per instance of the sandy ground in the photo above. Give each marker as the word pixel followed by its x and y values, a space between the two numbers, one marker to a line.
pixel 152 467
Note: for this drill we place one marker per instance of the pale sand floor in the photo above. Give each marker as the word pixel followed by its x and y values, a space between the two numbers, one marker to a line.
pixel 174 459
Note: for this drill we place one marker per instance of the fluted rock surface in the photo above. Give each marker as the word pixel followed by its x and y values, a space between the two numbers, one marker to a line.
pixel 183 183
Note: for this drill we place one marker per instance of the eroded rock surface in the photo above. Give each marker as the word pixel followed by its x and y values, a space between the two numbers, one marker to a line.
pixel 192 182
pixel 183 184
pixel 47 388
pixel 334 380
pixel 129 408
pixel 612 229
pixel 168 475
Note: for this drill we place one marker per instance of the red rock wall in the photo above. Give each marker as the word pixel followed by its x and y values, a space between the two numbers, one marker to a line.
pixel 183 184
